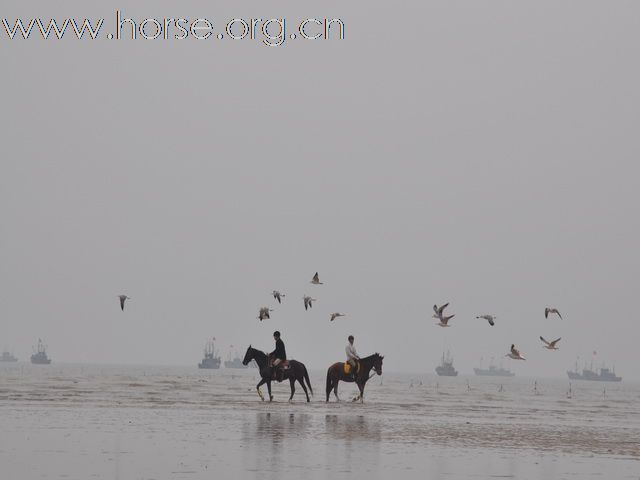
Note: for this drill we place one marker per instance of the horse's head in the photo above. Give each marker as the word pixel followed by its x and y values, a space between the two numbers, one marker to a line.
pixel 248 356
pixel 377 363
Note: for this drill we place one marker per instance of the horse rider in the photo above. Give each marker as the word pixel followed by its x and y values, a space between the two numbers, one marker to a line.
pixel 352 357
pixel 277 357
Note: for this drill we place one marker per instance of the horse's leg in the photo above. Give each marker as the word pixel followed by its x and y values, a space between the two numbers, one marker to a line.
pixel 335 389
pixel 292 382
pixel 260 391
pixel 269 388
pixel 301 381
pixel 361 387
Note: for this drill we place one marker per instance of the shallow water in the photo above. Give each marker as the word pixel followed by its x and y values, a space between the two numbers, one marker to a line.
pixel 107 422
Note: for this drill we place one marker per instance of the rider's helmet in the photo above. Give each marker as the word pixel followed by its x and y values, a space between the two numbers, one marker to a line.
pixel 350 338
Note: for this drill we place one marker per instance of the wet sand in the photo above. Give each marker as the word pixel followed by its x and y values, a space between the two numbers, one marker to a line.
pixel 181 423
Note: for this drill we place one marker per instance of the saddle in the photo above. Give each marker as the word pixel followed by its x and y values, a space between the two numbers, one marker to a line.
pixel 347 368
pixel 284 364
pixel 278 372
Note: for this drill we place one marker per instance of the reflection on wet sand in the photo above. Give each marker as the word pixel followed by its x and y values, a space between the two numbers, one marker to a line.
pixel 352 428
pixel 278 427
pixel 352 444
pixel 272 444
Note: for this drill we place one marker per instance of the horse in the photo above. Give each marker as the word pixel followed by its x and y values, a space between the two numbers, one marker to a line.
pixel 296 371
pixel 336 373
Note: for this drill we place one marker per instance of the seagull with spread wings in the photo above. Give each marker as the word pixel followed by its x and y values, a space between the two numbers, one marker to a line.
pixel 550 345
pixel 515 353
pixel 488 318
pixel 548 311
pixel 439 314
pixel 264 313
pixel 307 302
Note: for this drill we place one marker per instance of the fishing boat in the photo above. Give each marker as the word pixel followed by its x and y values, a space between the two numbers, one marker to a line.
pixel 235 362
pixel 7 357
pixel 493 371
pixel 605 375
pixel 210 359
pixel 39 356
pixel 445 369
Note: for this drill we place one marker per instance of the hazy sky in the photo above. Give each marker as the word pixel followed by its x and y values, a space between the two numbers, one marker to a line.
pixel 479 153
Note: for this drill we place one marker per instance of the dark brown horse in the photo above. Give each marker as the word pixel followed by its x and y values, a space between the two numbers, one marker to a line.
pixel 336 373
pixel 296 372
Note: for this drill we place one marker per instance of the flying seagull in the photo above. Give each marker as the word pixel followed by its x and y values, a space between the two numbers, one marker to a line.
pixel 307 302
pixel 488 318
pixel 316 279
pixel 278 296
pixel 122 300
pixel 550 345
pixel 440 315
pixel 444 321
pixel 264 313
pixel 439 310
pixel 336 315
pixel 515 353
pixel 548 310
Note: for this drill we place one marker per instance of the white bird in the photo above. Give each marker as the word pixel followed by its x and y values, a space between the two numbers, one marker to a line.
pixel 316 279
pixel 264 313
pixel 488 318
pixel 515 353
pixel 278 296
pixel 444 321
pixel 550 345
pixel 548 310
pixel 122 300
pixel 336 315
pixel 307 302
pixel 440 315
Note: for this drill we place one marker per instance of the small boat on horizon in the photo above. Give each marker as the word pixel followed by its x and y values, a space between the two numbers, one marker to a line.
pixel 8 357
pixel 235 362
pixel 39 356
pixel 493 371
pixel 210 360
pixel 445 369
pixel 605 375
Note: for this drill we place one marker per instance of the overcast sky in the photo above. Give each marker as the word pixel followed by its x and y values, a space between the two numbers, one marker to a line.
pixel 479 153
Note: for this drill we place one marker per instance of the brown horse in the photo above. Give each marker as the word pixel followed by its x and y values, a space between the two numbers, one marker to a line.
pixel 336 373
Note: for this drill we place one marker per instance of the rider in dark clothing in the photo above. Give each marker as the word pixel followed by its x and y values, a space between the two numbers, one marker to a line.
pixel 277 356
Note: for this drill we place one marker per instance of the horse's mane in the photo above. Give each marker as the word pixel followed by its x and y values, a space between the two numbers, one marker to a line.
pixel 258 352
pixel 370 357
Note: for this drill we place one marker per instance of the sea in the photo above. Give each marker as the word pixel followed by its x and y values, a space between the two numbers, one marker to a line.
pixel 155 423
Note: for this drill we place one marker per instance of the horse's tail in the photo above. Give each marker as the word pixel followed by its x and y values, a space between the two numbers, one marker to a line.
pixel 306 377
pixel 329 383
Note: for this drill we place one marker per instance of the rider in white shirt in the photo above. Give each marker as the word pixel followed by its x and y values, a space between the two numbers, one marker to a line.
pixel 352 357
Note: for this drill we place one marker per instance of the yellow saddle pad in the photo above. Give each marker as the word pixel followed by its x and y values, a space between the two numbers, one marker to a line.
pixel 347 368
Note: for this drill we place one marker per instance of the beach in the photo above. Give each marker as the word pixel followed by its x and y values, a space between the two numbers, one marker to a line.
pixel 121 422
